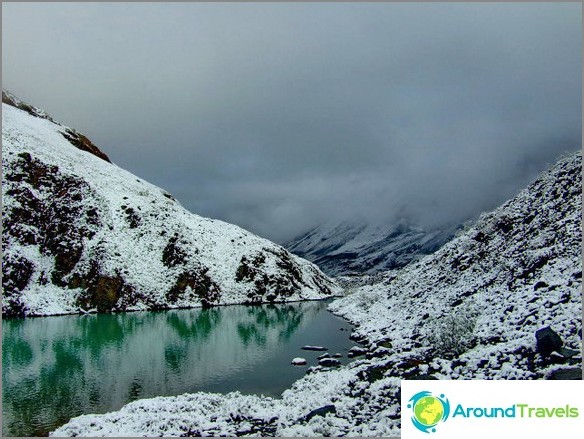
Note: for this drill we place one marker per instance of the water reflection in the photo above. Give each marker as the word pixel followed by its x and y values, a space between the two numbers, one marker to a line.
pixel 55 368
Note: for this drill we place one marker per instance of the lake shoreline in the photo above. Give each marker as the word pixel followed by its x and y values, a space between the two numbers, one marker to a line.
pixel 66 346
pixel 218 305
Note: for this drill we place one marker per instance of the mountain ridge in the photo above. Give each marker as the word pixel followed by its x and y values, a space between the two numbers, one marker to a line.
pixel 344 247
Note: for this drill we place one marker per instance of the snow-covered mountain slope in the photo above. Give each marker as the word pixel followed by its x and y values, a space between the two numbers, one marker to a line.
pixel 515 270
pixel 80 233
pixel 469 311
pixel 360 247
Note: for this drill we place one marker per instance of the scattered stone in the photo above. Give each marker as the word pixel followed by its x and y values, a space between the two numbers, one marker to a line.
pixel 314 348
pixel 566 374
pixel 242 431
pixel 322 411
pixel 357 338
pixel 409 363
pixel 481 364
pixel 356 351
pixel 385 344
pixel 567 353
pixel 374 373
pixel 326 355
pixel 456 302
pixel 378 352
pixel 299 361
pixel 329 362
pixel 548 341
pixel 313 369
pixel 337 355
pixel 422 376
pixel 540 284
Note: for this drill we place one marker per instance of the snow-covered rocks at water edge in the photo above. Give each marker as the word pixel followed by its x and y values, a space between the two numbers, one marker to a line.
pixel 356 351
pixel 299 361
pixel 83 235
pixel 329 362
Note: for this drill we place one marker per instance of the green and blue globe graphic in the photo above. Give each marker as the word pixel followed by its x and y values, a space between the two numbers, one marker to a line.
pixel 428 410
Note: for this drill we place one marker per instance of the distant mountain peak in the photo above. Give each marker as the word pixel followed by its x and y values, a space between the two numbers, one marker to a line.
pixel 358 246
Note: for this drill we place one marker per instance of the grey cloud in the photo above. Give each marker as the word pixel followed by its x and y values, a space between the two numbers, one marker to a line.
pixel 281 116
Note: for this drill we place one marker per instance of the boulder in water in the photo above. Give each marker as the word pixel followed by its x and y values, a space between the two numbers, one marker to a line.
pixel 356 351
pixel 313 348
pixel 329 362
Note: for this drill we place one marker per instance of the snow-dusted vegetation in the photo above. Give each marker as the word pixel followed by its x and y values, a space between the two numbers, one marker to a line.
pixel 83 235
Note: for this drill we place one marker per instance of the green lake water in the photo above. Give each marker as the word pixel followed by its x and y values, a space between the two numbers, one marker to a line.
pixel 56 368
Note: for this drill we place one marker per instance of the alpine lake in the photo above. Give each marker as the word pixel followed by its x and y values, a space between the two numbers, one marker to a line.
pixel 56 368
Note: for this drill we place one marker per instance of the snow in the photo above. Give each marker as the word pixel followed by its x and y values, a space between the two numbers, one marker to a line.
pixel 468 311
pixel 497 278
pixel 342 247
pixel 134 253
pixel 486 277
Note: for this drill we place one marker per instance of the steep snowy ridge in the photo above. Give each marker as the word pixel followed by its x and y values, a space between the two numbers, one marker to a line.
pixel 81 234
pixel 359 247
pixel 468 311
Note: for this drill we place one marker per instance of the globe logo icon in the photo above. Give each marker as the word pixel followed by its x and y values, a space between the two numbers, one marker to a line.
pixel 428 410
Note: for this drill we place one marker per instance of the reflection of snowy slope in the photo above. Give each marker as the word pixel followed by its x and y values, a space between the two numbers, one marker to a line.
pixel 81 233
pixel 349 247
pixel 103 361
pixel 517 269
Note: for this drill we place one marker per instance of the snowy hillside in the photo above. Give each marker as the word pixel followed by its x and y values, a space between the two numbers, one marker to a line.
pixel 469 311
pixel 350 247
pixel 517 269
pixel 82 234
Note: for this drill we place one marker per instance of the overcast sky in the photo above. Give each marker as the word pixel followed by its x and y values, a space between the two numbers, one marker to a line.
pixel 278 117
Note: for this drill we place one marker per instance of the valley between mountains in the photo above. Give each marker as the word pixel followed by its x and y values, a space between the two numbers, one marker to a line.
pixel 81 235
